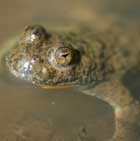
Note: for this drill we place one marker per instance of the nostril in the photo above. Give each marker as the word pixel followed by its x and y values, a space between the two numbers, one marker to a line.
pixel 34 35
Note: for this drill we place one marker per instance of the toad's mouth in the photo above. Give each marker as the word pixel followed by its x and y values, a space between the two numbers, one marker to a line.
pixel 56 87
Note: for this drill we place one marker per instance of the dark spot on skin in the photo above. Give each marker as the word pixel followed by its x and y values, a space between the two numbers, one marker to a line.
pixel 131 80
pixel 77 56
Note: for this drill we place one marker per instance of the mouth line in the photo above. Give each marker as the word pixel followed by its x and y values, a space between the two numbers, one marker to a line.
pixel 56 87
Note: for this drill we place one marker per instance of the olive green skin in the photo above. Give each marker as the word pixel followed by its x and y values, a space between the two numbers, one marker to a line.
pixel 32 56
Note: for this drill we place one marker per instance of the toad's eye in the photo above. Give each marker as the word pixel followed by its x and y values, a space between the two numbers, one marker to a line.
pixel 64 56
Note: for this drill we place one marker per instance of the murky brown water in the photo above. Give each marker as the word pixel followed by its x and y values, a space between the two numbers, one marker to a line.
pixel 30 113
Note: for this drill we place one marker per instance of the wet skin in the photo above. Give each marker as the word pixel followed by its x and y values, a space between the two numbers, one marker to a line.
pixel 81 57
pixel 51 58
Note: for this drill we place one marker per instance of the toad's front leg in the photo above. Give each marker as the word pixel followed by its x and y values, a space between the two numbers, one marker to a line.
pixel 126 108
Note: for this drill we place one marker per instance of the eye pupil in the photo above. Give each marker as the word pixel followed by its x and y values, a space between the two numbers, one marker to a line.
pixel 64 55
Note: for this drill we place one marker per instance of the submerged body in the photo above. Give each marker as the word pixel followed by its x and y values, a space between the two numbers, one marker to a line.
pixel 97 58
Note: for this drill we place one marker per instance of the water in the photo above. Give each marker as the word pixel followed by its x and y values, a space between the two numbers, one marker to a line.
pixel 31 113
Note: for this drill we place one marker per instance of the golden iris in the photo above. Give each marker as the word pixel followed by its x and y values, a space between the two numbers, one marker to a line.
pixel 64 56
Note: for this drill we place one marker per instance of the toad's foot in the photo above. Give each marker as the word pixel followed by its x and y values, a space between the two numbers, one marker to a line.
pixel 127 109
